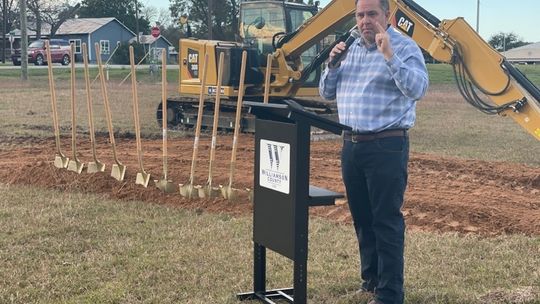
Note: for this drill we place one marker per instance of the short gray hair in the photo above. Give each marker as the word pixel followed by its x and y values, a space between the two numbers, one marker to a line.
pixel 385 6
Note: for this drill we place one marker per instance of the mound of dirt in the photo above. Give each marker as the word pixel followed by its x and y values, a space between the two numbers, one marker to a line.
pixel 444 194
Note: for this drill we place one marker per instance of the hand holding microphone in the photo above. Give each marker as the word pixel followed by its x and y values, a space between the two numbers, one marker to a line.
pixel 338 52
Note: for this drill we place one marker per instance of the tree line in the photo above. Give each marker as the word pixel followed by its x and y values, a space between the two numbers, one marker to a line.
pixel 137 16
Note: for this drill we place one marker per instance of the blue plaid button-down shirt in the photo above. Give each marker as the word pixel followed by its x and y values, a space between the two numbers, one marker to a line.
pixel 374 94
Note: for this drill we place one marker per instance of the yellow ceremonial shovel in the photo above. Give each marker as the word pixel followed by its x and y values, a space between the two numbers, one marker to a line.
pixel 164 184
pixel 142 178
pixel 187 189
pixel 209 190
pixel 96 165
pixel 228 191
pixel 60 160
pixel 118 170
pixel 74 163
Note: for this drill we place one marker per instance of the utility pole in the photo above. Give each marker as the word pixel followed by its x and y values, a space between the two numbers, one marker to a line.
pixel 210 19
pixel 4 29
pixel 478 17
pixel 24 41
pixel 137 21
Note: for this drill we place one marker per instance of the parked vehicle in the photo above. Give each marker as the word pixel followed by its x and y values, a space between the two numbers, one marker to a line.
pixel 37 55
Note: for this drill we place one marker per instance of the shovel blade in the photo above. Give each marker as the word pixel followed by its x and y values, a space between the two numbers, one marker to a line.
pixel 75 166
pixel 118 172
pixel 61 162
pixel 208 191
pixel 165 185
pixel 143 179
pixel 250 194
pixel 186 190
pixel 230 193
pixel 94 167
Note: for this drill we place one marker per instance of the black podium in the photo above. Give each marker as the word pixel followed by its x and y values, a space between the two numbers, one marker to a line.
pixel 282 194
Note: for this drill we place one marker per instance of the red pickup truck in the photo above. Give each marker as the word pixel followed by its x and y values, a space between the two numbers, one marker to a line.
pixel 36 52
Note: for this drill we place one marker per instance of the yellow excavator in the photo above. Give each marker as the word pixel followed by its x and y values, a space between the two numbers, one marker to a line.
pixel 292 33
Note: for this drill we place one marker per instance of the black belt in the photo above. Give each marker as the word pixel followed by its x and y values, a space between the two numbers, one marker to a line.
pixel 357 137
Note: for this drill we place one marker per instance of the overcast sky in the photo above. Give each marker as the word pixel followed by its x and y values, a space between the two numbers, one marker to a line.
pixel 495 15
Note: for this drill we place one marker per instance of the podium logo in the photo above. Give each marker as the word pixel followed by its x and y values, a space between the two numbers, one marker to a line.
pixel 274 163
pixel 274 152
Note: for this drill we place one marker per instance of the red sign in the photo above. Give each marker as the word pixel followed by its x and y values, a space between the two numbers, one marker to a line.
pixel 155 31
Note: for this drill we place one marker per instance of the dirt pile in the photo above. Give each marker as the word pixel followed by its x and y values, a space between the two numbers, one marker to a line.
pixel 444 194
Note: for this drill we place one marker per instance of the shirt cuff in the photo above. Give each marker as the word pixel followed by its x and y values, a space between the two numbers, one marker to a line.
pixel 331 74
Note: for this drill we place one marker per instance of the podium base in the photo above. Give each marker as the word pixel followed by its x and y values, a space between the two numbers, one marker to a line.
pixel 269 295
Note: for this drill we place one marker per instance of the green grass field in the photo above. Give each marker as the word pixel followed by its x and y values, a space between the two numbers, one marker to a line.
pixel 58 247
pixel 63 247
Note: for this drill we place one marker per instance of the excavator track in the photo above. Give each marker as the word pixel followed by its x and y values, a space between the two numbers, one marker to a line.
pixel 183 110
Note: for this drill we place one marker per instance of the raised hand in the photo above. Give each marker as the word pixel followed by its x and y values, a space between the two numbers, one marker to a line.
pixel 382 39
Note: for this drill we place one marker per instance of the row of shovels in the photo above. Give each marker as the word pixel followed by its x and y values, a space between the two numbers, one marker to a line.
pixel 189 190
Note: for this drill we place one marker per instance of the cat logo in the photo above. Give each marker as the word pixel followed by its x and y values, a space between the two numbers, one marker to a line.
pixel 193 63
pixel 193 58
pixel 404 23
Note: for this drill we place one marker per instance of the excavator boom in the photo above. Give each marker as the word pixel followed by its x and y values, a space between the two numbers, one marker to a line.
pixel 485 79
pixel 483 76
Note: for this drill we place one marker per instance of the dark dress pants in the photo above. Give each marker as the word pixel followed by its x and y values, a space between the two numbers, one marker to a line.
pixel 375 177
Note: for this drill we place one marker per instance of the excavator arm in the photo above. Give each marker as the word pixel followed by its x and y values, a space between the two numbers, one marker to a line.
pixel 485 79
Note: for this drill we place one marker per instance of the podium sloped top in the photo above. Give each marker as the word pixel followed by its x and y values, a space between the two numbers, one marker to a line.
pixel 293 112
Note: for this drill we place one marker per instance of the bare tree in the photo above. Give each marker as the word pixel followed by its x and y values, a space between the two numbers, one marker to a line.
pixel 161 16
pixel 52 13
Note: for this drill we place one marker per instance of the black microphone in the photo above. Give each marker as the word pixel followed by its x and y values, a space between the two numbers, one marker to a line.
pixel 348 42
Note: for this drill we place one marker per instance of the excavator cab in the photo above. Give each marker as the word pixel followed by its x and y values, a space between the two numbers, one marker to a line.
pixel 264 23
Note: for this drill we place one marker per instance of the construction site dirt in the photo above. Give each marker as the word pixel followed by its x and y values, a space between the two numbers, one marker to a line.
pixel 444 194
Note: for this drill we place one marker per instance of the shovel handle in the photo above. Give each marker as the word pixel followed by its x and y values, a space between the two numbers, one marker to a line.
pixel 135 100
pixel 53 98
pixel 200 113
pixel 73 110
pixel 164 108
pixel 106 101
pixel 216 115
pixel 89 101
pixel 267 78
pixel 238 115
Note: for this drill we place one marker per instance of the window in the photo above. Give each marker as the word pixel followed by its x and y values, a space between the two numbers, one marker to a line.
pixel 77 44
pixel 105 47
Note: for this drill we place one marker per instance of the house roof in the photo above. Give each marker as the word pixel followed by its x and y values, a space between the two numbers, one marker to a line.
pixel 529 52
pixel 149 39
pixel 77 26
pixel 86 25
pixel 82 25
